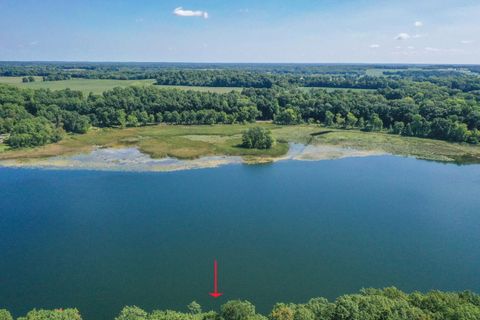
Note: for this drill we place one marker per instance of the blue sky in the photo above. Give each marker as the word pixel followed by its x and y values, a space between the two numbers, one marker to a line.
pixel 407 31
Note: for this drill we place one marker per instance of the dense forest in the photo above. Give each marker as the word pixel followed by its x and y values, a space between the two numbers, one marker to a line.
pixel 368 304
pixel 430 103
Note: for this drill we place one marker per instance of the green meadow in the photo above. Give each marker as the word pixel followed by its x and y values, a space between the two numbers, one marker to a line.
pixel 98 86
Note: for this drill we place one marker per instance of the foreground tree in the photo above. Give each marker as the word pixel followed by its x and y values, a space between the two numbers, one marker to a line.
pixel 132 313
pixel 5 315
pixel 57 314
pixel 257 138
pixel 194 308
pixel 237 310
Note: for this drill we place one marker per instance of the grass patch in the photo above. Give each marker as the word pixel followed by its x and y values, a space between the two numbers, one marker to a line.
pixel 98 86
pixel 427 149
pixel 202 89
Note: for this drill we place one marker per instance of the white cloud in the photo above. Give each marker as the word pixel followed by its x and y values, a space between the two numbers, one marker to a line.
pixel 432 49
pixel 190 13
pixel 34 43
pixel 374 46
pixel 467 41
pixel 411 48
pixel 418 24
pixel 402 36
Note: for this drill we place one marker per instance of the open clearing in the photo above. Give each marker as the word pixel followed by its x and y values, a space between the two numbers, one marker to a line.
pixel 98 86
pixel 190 142
pixel 330 89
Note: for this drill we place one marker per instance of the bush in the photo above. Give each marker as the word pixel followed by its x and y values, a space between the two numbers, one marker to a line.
pixel 257 138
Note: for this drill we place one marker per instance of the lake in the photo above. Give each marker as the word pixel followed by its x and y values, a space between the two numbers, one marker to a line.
pixel 287 231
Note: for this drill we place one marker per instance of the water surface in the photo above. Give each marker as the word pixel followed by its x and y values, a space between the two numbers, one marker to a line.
pixel 287 231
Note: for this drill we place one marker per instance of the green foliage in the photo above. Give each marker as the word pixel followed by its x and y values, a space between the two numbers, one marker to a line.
pixel 237 310
pixel 169 315
pixel 257 138
pixel 5 315
pixel 368 304
pixel 287 116
pixel 329 117
pixel 32 132
pixel 132 313
pixel 58 314
pixel 194 308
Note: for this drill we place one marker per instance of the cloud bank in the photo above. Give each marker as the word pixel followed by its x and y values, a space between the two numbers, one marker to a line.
pixel 190 13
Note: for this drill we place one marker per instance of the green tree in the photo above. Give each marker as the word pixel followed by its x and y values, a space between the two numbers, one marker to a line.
pixel 398 127
pixel 5 315
pixel 58 314
pixel 132 120
pixel 237 310
pixel 132 313
pixel 194 308
pixel 33 132
pixel 282 311
pixel 257 138
pixel 287 116
pixel 339 120
pixel 351 120
pixel 329 117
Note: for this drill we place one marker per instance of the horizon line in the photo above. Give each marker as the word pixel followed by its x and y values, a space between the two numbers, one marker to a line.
pixel 246 63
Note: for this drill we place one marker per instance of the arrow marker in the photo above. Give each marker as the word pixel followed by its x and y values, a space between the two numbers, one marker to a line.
pixel 215 292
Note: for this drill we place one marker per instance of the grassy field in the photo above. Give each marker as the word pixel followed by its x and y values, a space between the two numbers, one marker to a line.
pixel 97 86
pixel 203 89
pixel 188 142
pixel 328 89
pixel 85 85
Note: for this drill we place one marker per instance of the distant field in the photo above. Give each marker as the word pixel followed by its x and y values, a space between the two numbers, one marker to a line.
pixel 378 72
pixel 98 86
pixel 328 89
pixel 203 89
pixel 85 85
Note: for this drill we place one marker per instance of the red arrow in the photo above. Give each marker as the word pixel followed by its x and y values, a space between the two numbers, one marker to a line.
pixel 215 292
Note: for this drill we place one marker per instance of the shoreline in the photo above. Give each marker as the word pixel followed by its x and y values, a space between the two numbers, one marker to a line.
pixel 171 148
pixel 132 159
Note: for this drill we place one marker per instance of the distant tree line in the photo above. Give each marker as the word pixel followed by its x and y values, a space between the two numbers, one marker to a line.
pixel 398 106
pixel 368 304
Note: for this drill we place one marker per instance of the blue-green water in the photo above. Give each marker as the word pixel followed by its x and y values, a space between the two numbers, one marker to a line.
pixel 282 232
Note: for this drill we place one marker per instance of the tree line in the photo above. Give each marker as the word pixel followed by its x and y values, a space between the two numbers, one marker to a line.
pixel 368 304
pixel 418 109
